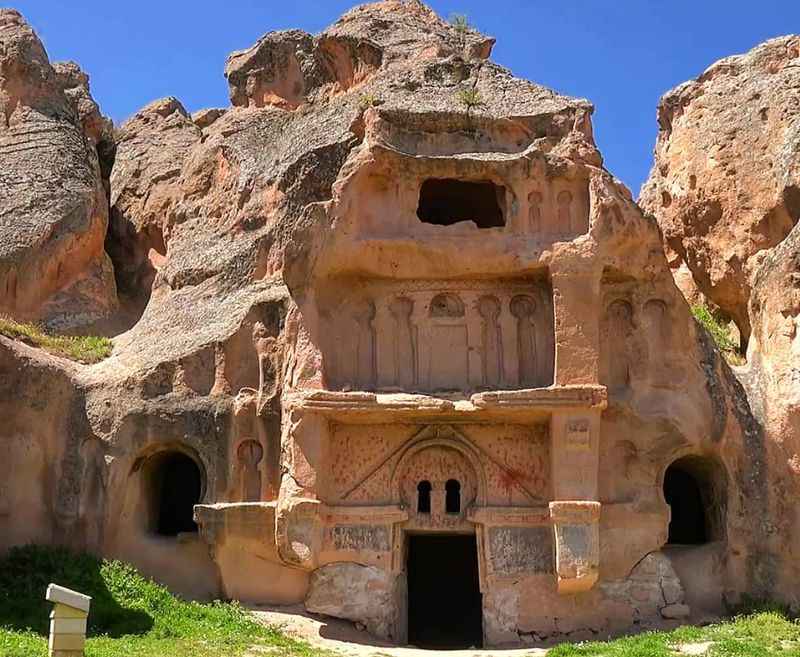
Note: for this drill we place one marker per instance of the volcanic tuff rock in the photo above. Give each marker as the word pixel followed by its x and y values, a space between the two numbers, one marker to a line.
pixel 725 184
pixel 294 287
pixel 725 188
pixel 54 209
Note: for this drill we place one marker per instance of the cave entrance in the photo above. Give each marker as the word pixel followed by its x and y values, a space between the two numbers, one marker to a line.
pixel 446 201
pixel 444 598
pixel 695 489
pixel 175 486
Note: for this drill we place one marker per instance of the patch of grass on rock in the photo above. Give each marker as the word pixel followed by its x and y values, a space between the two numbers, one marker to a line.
pixel 720 333
pixel 85 349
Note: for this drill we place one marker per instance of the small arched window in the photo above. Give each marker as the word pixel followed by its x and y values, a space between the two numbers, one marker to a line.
pixel 452 499
pixel 424 497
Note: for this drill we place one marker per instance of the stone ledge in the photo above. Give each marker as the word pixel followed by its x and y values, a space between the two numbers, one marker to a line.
pixel 503 403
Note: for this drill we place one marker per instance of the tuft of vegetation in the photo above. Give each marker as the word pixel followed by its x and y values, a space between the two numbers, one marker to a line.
pixel 368 100
pixel 760 634
pixel 460 23
pixel 720 333
pixel 470 98
pixel 85 349
pixel 130 616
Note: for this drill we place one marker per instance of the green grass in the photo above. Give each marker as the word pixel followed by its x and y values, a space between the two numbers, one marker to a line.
pixel 720 333
pixel 130 616
pixel 759 634
pixel 86 349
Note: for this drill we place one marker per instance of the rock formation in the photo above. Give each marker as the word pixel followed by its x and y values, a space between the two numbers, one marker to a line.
pixel 724 185
pixel 725 188
pixel 394 322
pixel 54 210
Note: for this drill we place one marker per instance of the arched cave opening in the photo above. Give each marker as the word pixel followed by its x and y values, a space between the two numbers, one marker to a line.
pixel 694 488
pixel 446 201
pixel 452 499
pixel 175 486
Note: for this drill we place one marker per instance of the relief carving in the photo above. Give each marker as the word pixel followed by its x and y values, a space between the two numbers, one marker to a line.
pixel 448 365
pixel 565 222
pixel 447 305
pixel 619 317
pixel 492 341
pixel 364 315
pixel 535 212
pixel 404 352
pixel 523 308
pixel 440 336
pixel 657 324
pixel 249 455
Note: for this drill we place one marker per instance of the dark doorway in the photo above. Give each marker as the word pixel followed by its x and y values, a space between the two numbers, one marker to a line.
pixel 177 485
pixel 444 599
pixel 687 525
pixel 445 201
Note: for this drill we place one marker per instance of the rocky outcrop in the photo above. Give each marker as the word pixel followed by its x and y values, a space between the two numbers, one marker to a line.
pixel 725 188
pixel 725 182
pixel 54 206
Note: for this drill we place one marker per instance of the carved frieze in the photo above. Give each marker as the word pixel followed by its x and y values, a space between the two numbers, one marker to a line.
pixel 441 336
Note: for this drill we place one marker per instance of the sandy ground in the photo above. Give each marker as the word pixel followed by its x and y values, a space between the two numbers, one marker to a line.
pixel 344 638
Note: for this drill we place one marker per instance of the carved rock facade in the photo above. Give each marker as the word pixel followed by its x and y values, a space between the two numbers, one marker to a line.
pixel 375 318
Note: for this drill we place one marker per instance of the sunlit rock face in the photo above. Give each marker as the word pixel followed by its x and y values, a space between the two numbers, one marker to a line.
pixel 395 326
pixel 724 185
pixel 54 211
pixel 724 188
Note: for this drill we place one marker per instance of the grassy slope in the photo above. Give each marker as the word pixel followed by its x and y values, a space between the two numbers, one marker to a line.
pixel 130 615
pixel 86 349
pixel 767 633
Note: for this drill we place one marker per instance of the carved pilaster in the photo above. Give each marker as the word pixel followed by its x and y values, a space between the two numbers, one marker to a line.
pixel 577 540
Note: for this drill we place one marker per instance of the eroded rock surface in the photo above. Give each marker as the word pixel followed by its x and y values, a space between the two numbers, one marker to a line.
pixel 724 188
pixel 392 292
pixel 54 209
pixel 724 185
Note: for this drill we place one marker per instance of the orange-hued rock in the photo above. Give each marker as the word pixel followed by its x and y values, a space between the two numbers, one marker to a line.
pixel 389 298
pixel 725 185
pixel 54 144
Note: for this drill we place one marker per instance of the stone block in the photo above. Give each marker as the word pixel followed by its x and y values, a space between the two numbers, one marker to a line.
pixel 62 611
pixel 64 596
pixel 67 642
pixel 68 625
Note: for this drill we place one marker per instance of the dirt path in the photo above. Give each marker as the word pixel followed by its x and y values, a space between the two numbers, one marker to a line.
pixel 344 638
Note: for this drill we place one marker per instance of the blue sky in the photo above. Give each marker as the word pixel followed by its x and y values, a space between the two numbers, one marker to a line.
pixel 620 54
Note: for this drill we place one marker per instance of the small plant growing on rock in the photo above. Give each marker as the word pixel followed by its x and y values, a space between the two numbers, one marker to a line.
pixel 462 27
pixel 460 22
pixel 719 332
pixel 470 98
pixel 368 100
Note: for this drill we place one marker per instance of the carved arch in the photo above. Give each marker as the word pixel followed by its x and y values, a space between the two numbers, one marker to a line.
pixel 441 436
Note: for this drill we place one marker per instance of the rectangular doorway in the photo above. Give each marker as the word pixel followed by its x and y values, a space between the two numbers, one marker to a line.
pixel 444 598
